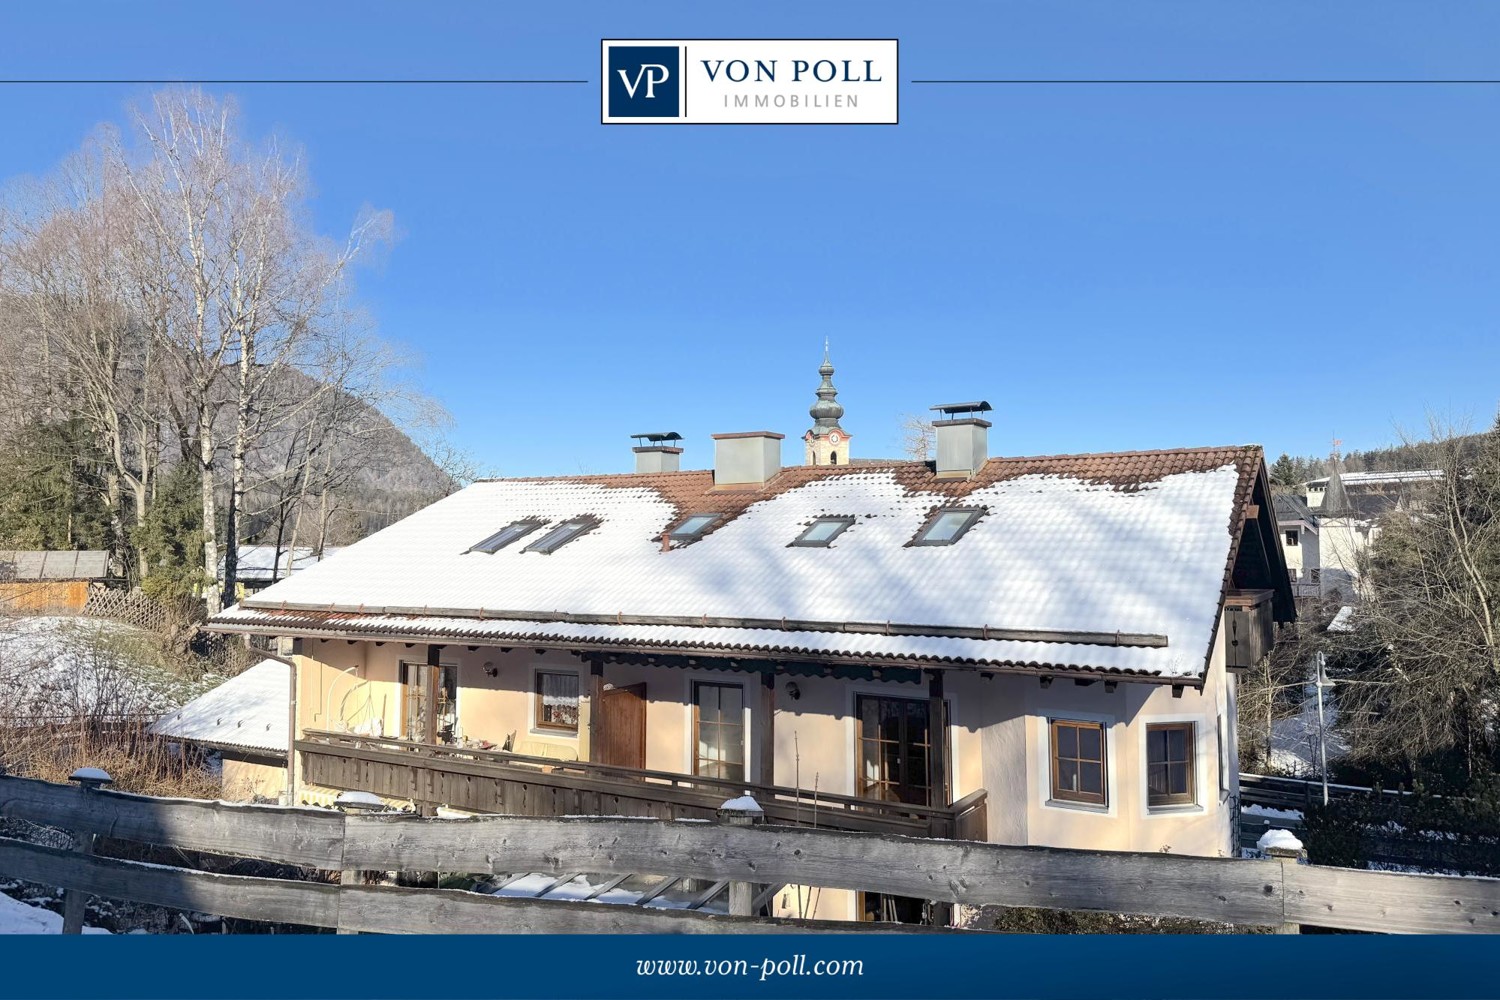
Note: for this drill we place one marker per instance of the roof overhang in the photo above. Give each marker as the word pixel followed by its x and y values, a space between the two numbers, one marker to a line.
pixel 346 627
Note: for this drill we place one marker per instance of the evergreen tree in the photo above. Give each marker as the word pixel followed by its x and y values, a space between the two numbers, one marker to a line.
pixel 52 488
pixel 171 538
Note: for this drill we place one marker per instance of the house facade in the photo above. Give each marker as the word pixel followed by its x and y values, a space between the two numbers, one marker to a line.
pixel 1301 544
pixel 1022 650
pixel 1348 506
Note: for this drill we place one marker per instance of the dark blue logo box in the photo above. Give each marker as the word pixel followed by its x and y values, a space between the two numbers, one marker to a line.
pixel 645 81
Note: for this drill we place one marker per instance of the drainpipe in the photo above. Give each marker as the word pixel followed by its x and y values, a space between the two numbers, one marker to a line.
pixel 290 795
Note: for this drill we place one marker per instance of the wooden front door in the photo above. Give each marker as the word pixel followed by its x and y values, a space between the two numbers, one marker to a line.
pixel 623 727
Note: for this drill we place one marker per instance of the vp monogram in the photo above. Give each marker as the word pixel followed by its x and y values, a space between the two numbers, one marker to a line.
pixel 653 72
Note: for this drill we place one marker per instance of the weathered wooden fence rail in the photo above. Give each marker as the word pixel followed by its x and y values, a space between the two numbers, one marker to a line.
pixel 1267 892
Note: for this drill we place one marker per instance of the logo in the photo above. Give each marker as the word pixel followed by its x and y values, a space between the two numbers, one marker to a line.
pixel 750 81
pixel 644 81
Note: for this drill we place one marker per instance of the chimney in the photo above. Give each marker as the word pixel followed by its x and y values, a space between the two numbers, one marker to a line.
pixel 747 459
pixel 656 452
pixel 963 444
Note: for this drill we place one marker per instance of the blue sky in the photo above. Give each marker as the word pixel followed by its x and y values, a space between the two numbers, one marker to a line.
pixel 1113 267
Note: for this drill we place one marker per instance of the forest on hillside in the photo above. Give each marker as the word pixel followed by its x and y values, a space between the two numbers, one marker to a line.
pixel 186 365
pixel 1291 471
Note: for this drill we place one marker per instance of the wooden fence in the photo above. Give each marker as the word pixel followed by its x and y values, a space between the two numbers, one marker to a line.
pixel 1266 892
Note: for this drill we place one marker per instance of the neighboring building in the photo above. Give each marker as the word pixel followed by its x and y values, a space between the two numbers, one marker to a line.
pixel 245 723
pixel 1348 506
pixel 259 566
pixel 826 440
pixel 1300 544
pixel 55 582
pixel 1023 650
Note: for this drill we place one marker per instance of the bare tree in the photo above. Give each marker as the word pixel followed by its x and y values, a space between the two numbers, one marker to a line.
pixel 64 248
pixel 251 287
pixel 917 437
pixel 1421 668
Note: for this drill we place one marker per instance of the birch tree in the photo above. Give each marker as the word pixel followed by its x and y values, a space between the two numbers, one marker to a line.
pixel 249 288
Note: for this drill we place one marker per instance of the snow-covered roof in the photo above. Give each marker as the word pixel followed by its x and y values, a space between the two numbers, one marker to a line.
pixel 249 710
pixel 1070 552
pixel 1381 478
pixel 256 561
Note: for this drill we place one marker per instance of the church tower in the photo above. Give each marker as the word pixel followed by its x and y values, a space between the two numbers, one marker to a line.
pixel 827 442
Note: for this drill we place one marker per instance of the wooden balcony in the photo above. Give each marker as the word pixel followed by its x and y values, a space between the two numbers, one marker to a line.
pixel 494 781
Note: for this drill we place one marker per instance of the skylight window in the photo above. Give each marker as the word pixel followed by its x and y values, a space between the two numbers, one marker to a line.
pixel 506 535
pixel 823 531
pixel 692 529
pixel 947 526
pixel 562 535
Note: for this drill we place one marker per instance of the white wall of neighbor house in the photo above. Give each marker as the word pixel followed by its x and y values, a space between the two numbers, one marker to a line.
pixel 1306 554
pixel 999 732
pixel 1342 542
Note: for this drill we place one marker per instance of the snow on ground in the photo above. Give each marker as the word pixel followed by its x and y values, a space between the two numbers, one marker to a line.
pixel 582 887
pixel 17 917
pixel 1268 812
pixel 55 666
pixel 1294 740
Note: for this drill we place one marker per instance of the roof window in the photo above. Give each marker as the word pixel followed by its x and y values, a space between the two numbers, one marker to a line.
pixel 823 531
pixel 947 525
pixel 562 535
pixel 693 527
pixel 506 535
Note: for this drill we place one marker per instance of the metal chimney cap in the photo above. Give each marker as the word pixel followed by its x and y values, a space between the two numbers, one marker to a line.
pixel 659 437
pixel 978 406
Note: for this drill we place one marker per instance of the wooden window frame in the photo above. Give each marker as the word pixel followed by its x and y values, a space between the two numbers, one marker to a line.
pixel 862 786
pixel 1068 795
pixel 1171 800
pixel 744 730
pixel 555 727
pixel 405 671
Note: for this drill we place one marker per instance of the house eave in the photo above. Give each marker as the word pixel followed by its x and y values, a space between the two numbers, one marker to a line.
pixel 415 637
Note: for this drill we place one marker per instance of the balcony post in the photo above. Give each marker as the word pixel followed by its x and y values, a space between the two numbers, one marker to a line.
pixel 938 782
pixel 767 727
pixel 596 708
pixel 429 725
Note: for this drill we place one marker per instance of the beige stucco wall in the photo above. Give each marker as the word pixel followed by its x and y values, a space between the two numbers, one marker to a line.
pixel 1127 823
pixel 998 732
pixel 247 779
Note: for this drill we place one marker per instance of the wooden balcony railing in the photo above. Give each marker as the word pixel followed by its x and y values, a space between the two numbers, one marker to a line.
pixel 494 781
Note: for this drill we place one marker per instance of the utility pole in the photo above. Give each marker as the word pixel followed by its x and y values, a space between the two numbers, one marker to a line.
pixel 1322 681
